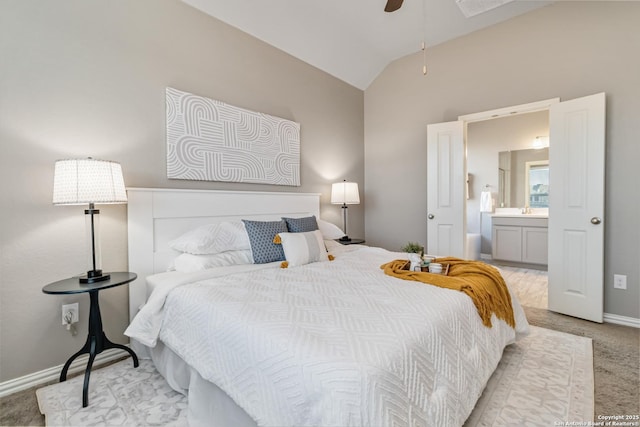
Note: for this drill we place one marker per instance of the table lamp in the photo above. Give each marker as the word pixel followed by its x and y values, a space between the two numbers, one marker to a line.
pixel 89 181
pixel 345 193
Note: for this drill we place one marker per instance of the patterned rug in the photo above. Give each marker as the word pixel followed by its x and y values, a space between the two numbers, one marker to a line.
pixel 119 395
pixel 543 380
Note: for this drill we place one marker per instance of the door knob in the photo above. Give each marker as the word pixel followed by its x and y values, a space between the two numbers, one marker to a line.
pixel 595 220
pixel 430 216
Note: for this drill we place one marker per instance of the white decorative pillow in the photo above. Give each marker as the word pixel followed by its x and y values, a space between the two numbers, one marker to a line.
pixel 187 263
pixel 329 231
pixel 331 245
pixel 303 248
pixel 213 238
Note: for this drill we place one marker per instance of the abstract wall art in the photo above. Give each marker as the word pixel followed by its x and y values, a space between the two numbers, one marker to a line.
pixel 209 140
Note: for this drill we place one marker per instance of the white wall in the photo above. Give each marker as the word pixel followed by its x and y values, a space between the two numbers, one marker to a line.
pixel 566 50
pixel 87 78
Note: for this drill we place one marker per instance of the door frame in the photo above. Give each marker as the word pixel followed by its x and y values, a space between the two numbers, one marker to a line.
pixel 530 107
pixel 522 109
pixel 514 110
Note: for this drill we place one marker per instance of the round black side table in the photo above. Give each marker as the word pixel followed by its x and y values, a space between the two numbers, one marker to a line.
pixel 97 341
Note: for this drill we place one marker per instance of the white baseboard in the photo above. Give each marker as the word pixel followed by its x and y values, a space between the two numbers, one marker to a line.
pixel 622 320
pixel 53 373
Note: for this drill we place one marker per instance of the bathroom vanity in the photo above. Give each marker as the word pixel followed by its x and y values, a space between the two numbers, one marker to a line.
pixel 520 238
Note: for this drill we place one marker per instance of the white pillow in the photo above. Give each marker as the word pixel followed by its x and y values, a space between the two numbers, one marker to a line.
pixel 213 239
pixel 187 263
pixel 331 244
pixel 329 231
pixel 303 248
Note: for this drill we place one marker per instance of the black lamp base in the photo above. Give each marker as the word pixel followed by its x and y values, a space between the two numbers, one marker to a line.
pixel 345 239
pixel 94 276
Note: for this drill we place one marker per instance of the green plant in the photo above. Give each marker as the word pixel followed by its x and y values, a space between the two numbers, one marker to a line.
pixel 413 247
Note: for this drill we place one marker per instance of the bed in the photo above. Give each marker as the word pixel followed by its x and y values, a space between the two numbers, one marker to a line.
pixel 332 343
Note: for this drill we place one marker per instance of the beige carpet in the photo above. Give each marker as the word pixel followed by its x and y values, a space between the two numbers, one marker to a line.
pixel 543 379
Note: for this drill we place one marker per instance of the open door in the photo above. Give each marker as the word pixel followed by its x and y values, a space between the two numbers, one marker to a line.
pixel 446 201
pixel 576 208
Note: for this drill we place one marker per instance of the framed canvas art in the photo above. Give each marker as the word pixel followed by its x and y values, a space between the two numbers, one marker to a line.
pixel 209 140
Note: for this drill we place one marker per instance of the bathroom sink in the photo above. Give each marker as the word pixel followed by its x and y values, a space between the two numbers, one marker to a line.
pixel 519 215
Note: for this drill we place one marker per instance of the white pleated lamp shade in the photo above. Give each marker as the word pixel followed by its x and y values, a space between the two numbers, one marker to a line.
pixel 84 181
pixel 345 193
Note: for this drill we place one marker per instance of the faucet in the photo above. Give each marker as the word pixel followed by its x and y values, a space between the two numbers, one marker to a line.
pixel 525 210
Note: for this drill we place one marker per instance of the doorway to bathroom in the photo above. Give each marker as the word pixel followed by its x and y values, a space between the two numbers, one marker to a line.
pixel 576 233
pixel 507 158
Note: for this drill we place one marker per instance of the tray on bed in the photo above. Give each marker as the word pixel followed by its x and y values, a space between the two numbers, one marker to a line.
pixel 444 272
pixel 425 269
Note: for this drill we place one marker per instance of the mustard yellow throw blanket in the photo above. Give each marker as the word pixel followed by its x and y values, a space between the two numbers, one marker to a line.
pixel 481 282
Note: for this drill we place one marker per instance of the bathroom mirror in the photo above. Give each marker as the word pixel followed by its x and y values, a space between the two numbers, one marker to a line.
pixel 523 178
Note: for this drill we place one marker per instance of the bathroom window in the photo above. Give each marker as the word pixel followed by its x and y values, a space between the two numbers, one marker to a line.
pixel 537 183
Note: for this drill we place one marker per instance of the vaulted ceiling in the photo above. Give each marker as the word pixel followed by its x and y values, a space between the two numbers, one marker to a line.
pixel 354 40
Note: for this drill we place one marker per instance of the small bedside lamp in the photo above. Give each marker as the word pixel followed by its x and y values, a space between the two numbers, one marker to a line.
pixel 345 193
pixel 89 181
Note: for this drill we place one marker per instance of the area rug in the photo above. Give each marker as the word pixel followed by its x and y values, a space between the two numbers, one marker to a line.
pixel 543 380
pixel 119 395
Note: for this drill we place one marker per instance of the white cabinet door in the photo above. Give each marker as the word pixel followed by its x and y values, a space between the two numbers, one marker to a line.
pixel 446 201
pixel 507 243
pixel 535 245
pixel 576 208
pixel 520 239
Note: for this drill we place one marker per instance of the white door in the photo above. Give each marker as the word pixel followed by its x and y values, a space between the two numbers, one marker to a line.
pixel 576 207
pixel 446 202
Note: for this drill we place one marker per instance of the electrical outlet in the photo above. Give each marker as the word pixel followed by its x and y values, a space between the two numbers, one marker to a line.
pixel 71 309
pixel 619 281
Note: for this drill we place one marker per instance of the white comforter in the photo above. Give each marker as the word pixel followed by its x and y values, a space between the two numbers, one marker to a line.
pixel 334 344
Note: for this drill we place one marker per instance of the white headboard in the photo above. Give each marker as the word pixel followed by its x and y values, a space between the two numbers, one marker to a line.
pixel 156 216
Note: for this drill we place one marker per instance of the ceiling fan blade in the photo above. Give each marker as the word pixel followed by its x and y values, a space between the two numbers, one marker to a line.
pixel 393 5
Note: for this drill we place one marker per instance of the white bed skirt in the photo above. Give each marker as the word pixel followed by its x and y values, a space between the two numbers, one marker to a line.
pixel 209 406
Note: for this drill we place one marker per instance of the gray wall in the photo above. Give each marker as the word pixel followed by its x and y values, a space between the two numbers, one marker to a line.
pixel 566 50
pixel 485 139
pixel 87 78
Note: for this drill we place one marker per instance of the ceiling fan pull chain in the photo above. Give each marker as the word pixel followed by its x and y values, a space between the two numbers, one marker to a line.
pixel 424 37
pixel 424 59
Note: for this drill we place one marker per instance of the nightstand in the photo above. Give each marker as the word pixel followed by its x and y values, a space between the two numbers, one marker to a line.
pixel 97 341
pixel 351 242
